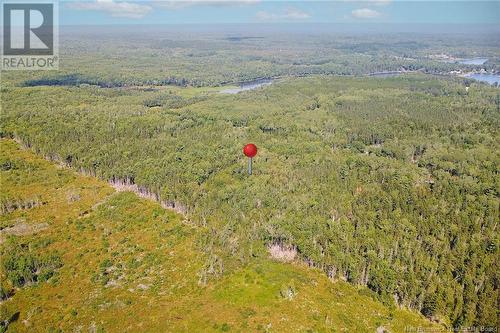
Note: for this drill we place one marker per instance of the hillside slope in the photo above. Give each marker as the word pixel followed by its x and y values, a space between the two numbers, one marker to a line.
pixel 77 256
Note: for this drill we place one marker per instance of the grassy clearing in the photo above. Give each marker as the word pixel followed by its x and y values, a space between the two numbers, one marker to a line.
pixel 126 264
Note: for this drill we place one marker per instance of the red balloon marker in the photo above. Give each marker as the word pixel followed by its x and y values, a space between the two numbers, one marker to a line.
pixel 250 150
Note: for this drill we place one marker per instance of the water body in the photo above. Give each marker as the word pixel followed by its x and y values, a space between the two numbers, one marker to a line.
pixel 385 74
pixel 251 85
pixel 473 61
pixel 489 78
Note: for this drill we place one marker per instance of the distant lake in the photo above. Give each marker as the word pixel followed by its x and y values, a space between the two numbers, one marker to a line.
pixel 473 61
pixel 248 86
pixel 489 78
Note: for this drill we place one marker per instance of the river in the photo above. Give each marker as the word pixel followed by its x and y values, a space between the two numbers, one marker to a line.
pixel 484 77
pixel 469 61
pixel 473 61
pixel 386 74
pixel 251 85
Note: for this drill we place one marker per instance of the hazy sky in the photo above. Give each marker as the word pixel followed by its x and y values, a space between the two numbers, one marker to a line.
pixel 262 11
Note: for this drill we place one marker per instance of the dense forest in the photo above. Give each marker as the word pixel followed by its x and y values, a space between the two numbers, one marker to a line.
pixel 390 183
pixel 105 256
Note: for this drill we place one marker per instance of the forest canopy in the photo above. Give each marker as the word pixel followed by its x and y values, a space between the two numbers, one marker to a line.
pixel 390 183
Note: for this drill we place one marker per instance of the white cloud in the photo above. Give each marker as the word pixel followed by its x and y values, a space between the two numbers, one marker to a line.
pixel 370 2
pixel 176 4
pixel 380 2
pixel 296 14
pixel 365 13
pixel 289 14
pixel 115 9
